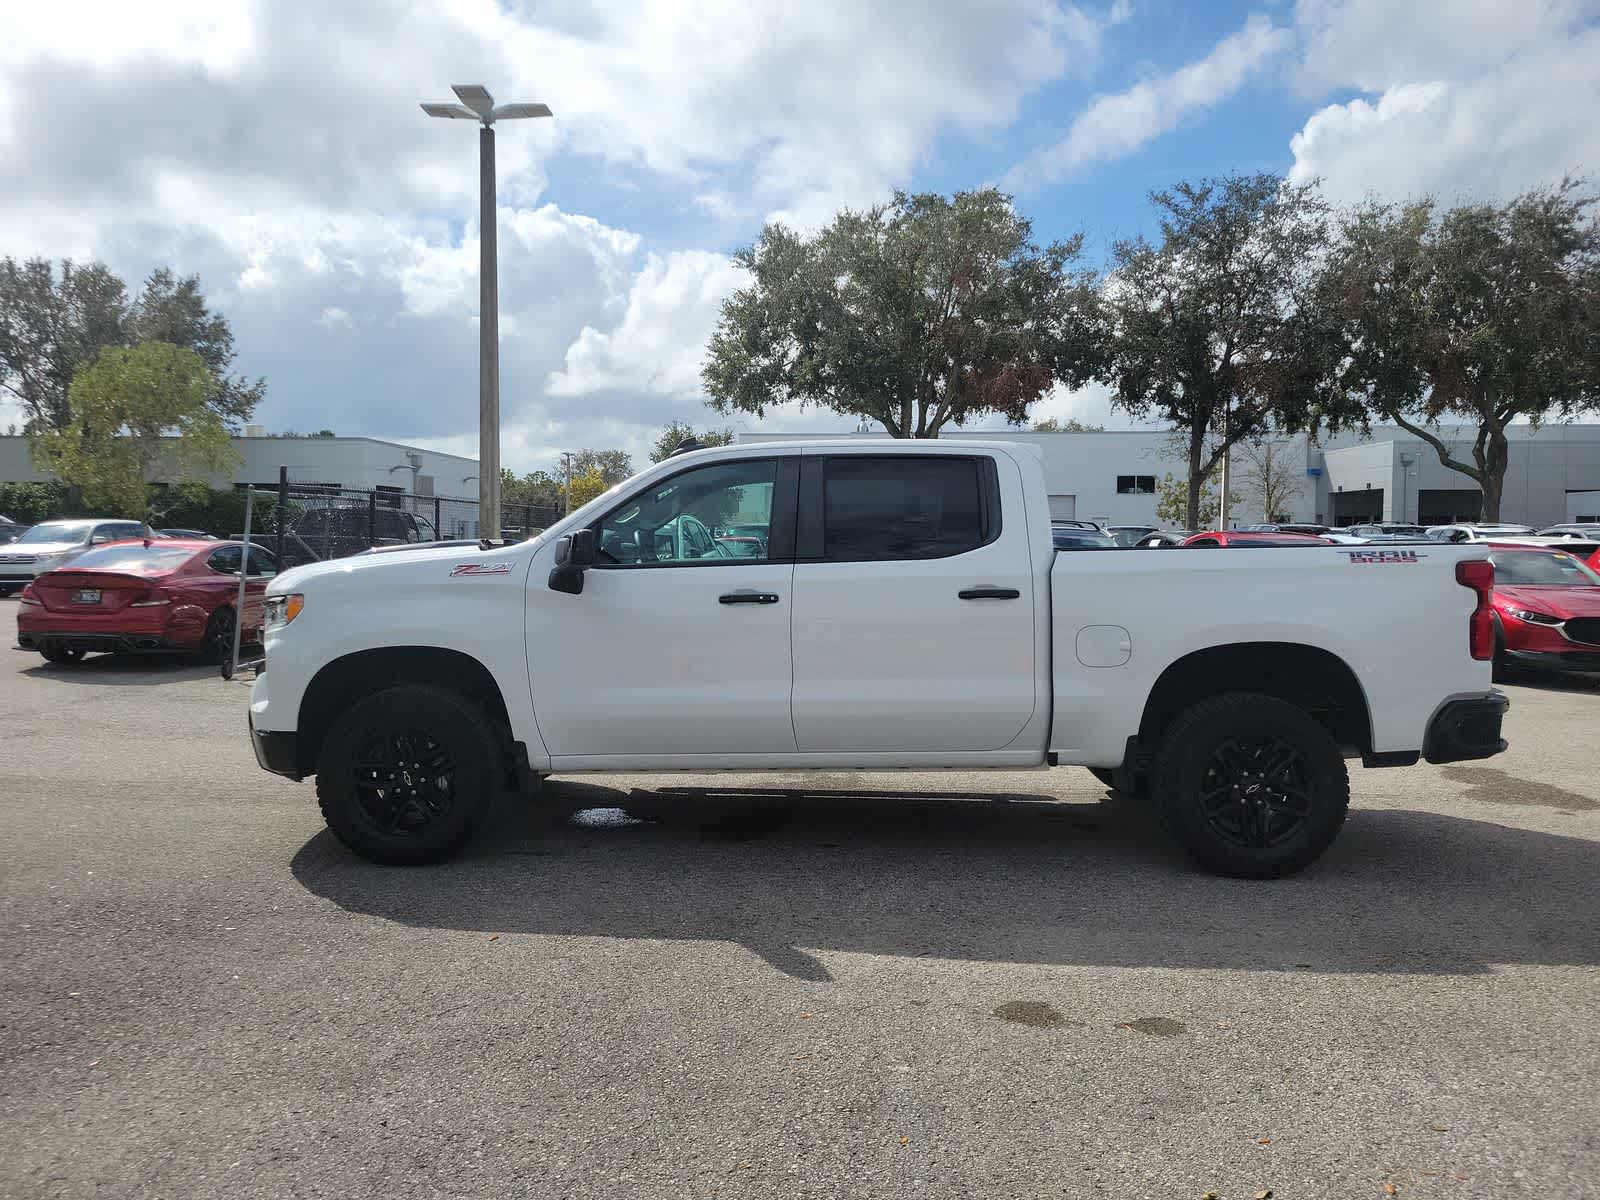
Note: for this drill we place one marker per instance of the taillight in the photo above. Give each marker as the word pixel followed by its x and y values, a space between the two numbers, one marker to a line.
pixel 1478 574
pixel 153 598
pixel 29 596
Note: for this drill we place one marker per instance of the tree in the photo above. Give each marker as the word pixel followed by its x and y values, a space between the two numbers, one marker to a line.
pixel 675 433
pixel 915 314
pixel 49 327
pixel 1270 476
pixel 1211 329
pixel 131 413
pixel 537 489
pixel 613 465
pixel 1173 497
pixel 587 486
pixel 1070 425
pixel 1485 313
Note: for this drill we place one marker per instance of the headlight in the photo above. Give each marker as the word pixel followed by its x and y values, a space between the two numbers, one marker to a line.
pixel 1536 618
pixel 283 609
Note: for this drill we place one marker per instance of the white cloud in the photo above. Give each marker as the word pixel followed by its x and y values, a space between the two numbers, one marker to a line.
pixel 1116 125
pixel 1500 116
pixel 334 317
pixel 672 308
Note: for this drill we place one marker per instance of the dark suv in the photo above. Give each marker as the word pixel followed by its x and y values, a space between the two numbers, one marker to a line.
pixel 337 532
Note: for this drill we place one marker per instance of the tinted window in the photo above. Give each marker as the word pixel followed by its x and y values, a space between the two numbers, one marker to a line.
pixel 225 560
pixel 677 520
pixel 260 562
pixel 1136 485
pixel 900 508
pixel 139 557
pixel 118 532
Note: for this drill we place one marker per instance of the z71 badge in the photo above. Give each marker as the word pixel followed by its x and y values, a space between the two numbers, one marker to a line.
pixel 1359 557
pixel 496 568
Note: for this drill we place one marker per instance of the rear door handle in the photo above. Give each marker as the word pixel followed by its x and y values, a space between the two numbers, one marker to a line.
pixel 748 598
pixel 989 593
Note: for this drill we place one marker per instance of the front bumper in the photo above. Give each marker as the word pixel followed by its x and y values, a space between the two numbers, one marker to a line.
pixel 1555 660
pixel 278 752
pixel 1466 729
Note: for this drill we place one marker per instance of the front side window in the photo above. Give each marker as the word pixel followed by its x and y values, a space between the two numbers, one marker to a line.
pixel 901 507
pixel 681 519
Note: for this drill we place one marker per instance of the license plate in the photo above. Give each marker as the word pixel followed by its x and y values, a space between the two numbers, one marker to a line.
pixel 86 596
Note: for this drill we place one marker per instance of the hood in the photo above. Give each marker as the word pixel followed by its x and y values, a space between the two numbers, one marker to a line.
pixel 42 547
pixel 1557 601
pixel 396 568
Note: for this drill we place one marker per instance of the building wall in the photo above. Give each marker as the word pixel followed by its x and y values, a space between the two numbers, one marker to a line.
pixel 1546 465
pixel 351 462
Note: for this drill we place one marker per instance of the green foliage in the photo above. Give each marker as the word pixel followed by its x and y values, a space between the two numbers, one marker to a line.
pixel 537 488
pixel 915 314
pixel 1070 425
pixel 1485 313
pixel 1172 501
pixel 50 327
pixel 31 503
pixel 1211 329
pixel 587 486
pixel 613 465
pixel 675 433
pixel 120 409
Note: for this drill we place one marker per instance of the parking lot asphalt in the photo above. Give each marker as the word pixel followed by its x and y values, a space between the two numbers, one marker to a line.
pixel 918 985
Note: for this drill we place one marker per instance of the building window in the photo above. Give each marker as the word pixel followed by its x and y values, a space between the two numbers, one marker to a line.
pixel 1136 485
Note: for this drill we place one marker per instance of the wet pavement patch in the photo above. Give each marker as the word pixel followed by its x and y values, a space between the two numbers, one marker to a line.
pixel 1156 1026
pixel 1035 1014
pixel 1495 786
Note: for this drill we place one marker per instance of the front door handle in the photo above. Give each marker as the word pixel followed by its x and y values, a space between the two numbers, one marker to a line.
pixel 748 598
pixel 989 593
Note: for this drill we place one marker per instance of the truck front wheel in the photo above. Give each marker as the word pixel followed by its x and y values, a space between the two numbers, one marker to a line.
pixel 407 775
pixel 1252 786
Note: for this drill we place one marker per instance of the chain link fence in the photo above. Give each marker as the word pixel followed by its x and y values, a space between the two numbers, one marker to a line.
pixel 321 521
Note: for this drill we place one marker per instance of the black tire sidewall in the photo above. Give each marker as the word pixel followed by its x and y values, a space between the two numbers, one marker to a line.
pixel 1181 766
pixel 450 719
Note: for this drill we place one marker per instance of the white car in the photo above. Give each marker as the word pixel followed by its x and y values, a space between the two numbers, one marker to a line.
pixel 51 544
pixel 908 611
pixel 1475 531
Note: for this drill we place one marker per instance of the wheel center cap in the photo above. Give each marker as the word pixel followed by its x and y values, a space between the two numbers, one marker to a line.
pixel 406 775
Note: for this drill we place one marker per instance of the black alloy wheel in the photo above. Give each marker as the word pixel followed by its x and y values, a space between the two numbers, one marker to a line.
pixel 1255 792
pixel 219 635
pixel 403 781
pixel 408 774
pixel 1252 786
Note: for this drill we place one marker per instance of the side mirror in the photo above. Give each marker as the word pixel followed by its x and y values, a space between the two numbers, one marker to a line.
pixel 574 555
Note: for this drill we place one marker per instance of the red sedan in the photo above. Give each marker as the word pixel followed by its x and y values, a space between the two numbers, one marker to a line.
pixel 144 595
pixel 1243 537
pixel 1547 610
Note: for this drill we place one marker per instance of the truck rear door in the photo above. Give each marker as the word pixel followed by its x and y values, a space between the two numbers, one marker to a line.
pixel 913 611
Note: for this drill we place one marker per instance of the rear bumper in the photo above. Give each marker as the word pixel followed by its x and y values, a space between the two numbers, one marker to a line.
pixel 1465 729
pixel 278 752
pixel 1555 660
pixel 108 643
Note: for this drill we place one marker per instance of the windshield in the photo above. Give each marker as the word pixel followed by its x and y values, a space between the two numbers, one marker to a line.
pixel 55 531
pixel 1529 568
pixel 134 557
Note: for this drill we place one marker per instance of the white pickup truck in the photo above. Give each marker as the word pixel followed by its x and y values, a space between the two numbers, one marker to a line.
pixel 867 606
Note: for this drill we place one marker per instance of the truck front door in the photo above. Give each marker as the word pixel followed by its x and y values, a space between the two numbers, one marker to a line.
pixel 675 646
pixel 913 604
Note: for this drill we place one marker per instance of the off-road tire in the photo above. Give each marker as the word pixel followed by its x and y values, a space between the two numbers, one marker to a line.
pixel 462 733
pixel 1187 772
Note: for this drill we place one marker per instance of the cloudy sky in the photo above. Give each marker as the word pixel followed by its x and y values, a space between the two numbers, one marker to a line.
pixel 276 148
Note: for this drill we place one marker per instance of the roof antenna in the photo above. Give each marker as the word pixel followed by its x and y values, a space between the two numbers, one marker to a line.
pixel 684 447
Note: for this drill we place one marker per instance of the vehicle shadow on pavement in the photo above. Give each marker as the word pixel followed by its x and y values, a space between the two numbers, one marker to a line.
pixel 1006 878
pixel 123 670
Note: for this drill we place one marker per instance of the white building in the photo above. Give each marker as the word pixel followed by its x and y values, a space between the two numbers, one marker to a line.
pixel 1112 477
pixel 347 462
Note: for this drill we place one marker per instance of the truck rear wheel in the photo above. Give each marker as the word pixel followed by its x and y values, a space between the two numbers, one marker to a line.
pixel 407 775
pixel 1252 786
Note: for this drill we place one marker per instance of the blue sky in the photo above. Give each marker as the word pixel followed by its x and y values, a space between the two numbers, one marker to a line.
pixel 276 148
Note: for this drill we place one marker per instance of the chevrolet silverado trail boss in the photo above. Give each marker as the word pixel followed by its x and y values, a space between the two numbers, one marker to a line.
pixel 905 610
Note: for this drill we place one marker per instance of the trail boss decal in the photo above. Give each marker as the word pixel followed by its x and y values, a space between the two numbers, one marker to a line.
pixel 1364 557
pixel 495 568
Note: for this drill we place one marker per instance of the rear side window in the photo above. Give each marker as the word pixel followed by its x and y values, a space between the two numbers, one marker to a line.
pixel 903 507
pixel 226 560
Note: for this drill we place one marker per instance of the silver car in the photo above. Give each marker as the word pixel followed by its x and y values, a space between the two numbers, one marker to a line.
pixel 52 543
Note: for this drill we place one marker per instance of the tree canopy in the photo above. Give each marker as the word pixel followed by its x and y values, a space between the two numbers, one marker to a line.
pixel 1210 329
pixel 1481 313
pixel 916 314
pixel 50 325
pixel 674 433
pixel 130 412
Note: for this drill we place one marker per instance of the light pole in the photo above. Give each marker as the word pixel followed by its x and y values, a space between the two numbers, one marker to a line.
pixel 478 105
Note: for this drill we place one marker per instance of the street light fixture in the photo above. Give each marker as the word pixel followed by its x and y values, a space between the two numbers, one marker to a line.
pixel 478 105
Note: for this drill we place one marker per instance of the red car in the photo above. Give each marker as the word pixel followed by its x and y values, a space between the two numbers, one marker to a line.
pixel 1242 537
pixel 144 595
pixel 1546 610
